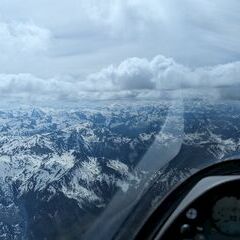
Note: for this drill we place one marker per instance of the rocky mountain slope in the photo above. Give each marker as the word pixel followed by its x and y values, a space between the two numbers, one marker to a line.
pixel 60 167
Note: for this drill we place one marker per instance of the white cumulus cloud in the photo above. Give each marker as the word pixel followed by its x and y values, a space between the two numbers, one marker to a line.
pixel 133 78
pixel 163 73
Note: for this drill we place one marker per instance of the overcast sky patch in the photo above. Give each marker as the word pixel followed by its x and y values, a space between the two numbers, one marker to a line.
pixel 82 37
pixel 113 48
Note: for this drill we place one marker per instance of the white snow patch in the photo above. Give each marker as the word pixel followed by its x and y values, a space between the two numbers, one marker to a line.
pixel 90 170
pixel 118 166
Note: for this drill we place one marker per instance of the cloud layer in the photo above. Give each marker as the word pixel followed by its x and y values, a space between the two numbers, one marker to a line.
pixel 17 38
pixel 162 73
pixel 89 35
pixel 133 78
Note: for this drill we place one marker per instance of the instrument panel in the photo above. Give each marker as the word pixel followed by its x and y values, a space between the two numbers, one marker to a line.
pixel 213 215
pixel 226 216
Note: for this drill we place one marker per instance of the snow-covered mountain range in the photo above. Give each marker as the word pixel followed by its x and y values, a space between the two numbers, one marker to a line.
pixel 60 167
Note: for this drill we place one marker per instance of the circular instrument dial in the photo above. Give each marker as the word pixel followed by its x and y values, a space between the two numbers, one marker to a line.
pixel 226 216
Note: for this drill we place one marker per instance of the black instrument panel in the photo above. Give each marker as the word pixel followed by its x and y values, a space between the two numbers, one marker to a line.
pixel 214 214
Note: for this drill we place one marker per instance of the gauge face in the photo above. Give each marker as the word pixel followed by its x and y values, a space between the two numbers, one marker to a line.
pixel 226 215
